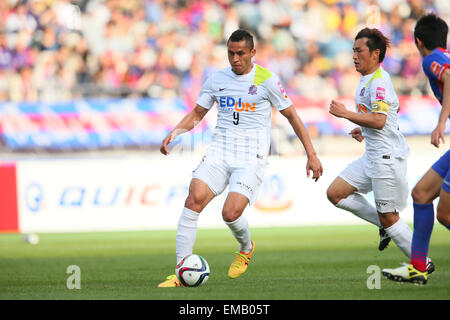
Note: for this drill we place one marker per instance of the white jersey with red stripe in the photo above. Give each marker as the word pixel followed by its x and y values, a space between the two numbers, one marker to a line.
pixel 244 104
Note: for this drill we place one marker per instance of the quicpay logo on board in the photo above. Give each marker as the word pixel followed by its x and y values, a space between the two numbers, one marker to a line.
pixel 34 196
pixel 135 195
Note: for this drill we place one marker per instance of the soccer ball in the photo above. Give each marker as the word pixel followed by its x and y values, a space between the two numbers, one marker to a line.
pixel 192 271
pixel 31 238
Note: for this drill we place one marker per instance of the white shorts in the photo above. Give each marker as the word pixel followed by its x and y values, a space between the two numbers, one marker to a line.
pixel 242 177
pixel 387 179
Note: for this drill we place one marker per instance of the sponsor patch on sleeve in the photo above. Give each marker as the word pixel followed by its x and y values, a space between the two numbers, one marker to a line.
pixel 438 69
pixel 380 106
pixel 282 91
pixel 380 93
pixel 435 68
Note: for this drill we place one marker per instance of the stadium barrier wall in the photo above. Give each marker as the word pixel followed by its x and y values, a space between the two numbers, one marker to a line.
pixel 118 123
pixel 148 193
pixel 9 218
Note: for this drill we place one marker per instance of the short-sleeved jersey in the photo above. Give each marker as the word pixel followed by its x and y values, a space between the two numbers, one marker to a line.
pixel 434 66
pixel 244 104
pixel 376 93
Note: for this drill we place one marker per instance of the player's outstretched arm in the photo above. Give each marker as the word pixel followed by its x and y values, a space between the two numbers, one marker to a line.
pixel 374 120
pixel 438 133
pixel 186 124
pixel 313 164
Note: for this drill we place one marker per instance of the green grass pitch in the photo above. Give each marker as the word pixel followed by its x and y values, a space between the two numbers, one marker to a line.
pixel 295 263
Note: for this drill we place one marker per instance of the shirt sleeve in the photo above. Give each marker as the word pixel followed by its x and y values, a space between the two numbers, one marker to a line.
pixel 206 98
pixel 432 68
pixel 277 94
pixel 379 97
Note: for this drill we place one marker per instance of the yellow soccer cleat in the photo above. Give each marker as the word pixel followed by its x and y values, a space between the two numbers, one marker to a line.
pixel 170 282
pixel 406 273
pixel 240 263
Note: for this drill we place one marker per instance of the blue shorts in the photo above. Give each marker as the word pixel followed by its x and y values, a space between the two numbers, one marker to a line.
pixel 442 167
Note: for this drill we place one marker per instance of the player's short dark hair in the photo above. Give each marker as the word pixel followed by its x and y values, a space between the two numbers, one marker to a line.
pixel 240 35
pixel 375 40
pixel 432 31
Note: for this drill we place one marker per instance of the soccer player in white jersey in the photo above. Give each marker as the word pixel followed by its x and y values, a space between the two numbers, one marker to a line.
pixel 245 93
pixel 382 168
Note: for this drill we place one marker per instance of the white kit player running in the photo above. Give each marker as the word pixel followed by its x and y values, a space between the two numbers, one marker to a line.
pixel 382 168
pixel 237 157
pixel 242 134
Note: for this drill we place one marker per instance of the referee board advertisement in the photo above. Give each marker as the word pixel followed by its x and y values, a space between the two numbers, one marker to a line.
pixel 147 193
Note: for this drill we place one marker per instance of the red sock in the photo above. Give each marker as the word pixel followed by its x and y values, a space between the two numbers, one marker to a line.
pixel 419 264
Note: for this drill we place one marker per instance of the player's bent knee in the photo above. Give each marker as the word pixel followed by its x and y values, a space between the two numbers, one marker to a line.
pixel 195 202
pixel 416 195
pixel 333 196
pixel 444 220
pixel 388 219
pixel 443 215
pixel 230 214
pixel 420 196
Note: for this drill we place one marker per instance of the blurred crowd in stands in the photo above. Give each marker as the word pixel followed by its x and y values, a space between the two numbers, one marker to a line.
pixel 58 50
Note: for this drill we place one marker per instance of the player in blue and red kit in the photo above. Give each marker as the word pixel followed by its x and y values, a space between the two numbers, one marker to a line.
pixel 430 35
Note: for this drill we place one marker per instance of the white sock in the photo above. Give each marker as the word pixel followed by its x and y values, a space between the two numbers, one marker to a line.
pixel 401 234
pixel 240 230
pixel 360 207
pixel 186 233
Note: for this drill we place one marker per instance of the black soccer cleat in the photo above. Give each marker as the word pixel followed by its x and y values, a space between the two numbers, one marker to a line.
pixel 384 239
pixel 430 266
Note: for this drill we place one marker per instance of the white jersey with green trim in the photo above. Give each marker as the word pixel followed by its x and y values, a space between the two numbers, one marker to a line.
pixel 244 104
pixel 376 93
